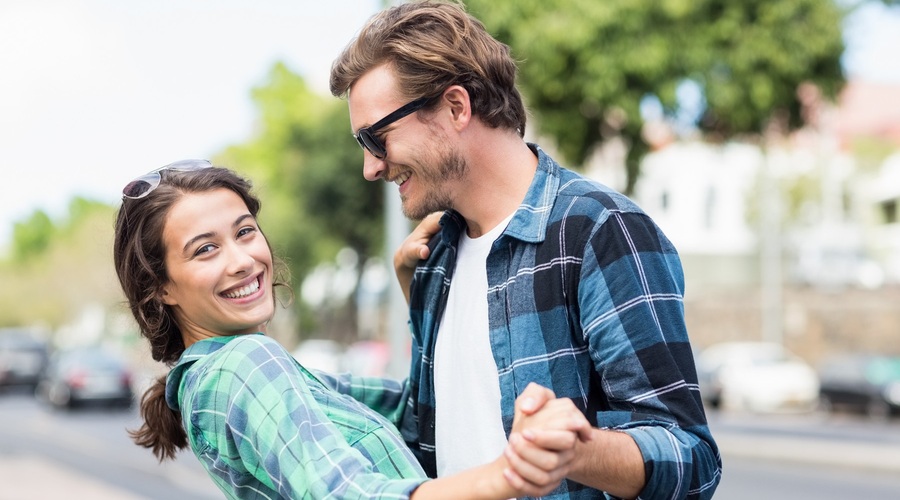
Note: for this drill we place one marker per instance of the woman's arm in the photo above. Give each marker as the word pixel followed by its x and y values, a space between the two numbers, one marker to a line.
pixel 413 249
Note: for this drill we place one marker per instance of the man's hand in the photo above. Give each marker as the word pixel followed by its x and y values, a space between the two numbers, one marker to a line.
pixel 413 249
pixel 542 442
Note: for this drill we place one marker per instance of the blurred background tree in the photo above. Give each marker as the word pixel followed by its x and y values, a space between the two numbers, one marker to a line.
pixel 59 268
pixel 306 167
pixel 589 67
pixel 720 68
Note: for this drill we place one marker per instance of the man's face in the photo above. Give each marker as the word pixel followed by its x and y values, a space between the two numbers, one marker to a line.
pixel 420 157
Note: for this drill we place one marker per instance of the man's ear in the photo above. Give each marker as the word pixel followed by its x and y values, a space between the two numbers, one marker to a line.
pixel 457 100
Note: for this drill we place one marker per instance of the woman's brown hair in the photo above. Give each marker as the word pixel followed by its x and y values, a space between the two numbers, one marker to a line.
pixel 431 46
pixel 139 256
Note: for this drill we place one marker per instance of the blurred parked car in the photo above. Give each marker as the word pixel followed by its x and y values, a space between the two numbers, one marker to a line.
pixel 23 356
pixel 320 354
pixel 865 383
pixel 756 376
pixel 86 375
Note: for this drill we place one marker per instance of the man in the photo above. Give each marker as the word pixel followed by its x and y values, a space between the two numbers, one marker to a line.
pixel 538 275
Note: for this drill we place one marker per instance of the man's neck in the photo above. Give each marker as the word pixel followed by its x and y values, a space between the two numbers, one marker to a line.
pixel 501 168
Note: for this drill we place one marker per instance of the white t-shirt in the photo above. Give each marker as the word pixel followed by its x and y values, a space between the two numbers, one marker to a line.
pixel 468 424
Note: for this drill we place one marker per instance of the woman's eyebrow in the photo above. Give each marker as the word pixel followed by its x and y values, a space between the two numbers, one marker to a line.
pixel 196 238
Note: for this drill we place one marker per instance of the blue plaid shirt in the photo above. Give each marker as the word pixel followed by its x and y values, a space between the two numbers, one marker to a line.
pixel 584 297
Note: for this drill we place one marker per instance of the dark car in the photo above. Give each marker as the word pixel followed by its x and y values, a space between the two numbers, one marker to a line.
pixel 86 375
pixel 23 355
pixel 863 383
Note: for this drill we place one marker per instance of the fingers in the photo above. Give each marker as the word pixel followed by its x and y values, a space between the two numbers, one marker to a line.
pixel 523 487
pixel 553 440
pixel 415 246
pixel 532 467
pixel 557 414
pixel 533 398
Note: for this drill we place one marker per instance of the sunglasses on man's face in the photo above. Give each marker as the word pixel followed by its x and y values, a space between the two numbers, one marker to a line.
pixel 145 184
pixel 370 142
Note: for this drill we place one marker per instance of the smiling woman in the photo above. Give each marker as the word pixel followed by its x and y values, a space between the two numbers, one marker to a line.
pixel 200 278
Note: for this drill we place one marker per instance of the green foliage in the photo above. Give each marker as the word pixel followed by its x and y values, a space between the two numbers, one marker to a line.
pixel 587 65
pixel 72 269
pixel 32 236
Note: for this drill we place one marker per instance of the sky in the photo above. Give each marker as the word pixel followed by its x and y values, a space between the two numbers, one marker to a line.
pixel 96 92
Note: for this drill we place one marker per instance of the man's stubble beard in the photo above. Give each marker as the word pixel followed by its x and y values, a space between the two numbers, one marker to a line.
pixel 452 167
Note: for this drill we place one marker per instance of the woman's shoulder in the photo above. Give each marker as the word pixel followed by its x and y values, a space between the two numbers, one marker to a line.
pixel 257 344
pixel 249 359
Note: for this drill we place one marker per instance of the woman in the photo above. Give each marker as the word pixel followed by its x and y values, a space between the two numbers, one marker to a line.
pixel 199 277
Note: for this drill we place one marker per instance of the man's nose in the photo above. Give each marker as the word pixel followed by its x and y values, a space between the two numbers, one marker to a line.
pixel 373 168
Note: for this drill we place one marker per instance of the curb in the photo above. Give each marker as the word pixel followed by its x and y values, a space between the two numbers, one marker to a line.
pixel 871 456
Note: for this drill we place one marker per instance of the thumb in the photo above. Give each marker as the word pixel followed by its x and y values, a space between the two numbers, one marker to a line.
pixel 533 398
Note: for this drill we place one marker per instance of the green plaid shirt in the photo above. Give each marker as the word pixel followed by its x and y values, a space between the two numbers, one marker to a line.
pixel 265 427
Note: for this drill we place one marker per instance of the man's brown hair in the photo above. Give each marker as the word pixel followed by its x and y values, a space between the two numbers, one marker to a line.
pixel 431 46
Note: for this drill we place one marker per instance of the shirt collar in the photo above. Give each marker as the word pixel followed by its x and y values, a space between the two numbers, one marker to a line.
pixel 529 223
pixel 197 351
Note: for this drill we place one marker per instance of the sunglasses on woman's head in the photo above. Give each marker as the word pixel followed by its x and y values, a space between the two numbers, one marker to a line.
pixel 145 184
pixel 370 142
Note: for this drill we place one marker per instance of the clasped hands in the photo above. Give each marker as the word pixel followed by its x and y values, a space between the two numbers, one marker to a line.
pixel 541 449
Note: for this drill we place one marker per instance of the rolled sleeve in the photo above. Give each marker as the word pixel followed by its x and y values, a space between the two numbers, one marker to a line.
pixel 632 310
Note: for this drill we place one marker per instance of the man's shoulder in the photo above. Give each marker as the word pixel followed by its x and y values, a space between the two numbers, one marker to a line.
pixel 579 194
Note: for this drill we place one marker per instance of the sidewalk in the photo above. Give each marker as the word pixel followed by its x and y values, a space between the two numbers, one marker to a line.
pixel 33 478
pixel 883 456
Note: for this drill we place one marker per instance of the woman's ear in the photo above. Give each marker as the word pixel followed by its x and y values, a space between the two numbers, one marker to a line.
pixel 165 297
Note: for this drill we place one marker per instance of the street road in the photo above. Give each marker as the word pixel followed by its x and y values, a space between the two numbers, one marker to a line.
pixel 46 454
pixel 87 454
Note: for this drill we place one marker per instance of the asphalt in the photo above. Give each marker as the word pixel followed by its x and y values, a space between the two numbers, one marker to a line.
pixel 32 477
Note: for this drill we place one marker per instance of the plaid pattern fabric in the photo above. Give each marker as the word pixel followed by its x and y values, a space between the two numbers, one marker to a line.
pixel 584 297
pixel 264 427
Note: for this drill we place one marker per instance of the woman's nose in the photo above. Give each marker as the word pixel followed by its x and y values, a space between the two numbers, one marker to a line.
pixel 241 261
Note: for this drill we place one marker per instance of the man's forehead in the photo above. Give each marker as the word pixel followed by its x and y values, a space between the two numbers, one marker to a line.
pixel 378 82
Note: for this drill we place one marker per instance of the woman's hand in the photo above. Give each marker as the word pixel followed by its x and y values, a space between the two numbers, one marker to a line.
pixel 413 249
pixel 541 446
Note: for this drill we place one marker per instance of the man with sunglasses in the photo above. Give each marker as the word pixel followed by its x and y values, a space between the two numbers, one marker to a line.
pixel 536 275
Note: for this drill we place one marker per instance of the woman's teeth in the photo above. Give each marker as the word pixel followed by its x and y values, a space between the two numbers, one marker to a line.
pixel 243 291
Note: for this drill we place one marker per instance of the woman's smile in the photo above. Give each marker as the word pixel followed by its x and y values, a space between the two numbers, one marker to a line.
pixel 247 290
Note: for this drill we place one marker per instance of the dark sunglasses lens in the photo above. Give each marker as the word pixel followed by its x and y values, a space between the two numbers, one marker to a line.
pixel 370 142
pixel 141 186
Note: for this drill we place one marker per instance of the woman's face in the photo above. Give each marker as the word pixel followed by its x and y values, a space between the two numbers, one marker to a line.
pixel 219 266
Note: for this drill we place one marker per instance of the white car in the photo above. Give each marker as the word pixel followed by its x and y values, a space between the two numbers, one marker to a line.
pixel 759 377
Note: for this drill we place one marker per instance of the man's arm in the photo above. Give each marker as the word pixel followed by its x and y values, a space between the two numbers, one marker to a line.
pixel 653 439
